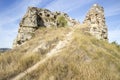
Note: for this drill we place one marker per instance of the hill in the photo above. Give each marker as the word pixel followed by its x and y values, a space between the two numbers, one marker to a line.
pixel 77 52
pixel 4 50
pixel 69 55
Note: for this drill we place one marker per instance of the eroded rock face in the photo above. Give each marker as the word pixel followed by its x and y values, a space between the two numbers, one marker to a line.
pixel 37 17
pixel 96 21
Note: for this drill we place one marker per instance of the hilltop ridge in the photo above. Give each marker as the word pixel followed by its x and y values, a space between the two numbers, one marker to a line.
pixel 70 54
pixel 76 51
pixel 38 17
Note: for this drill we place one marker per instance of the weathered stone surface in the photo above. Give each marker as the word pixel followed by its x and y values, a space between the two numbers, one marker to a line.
pixel 37 17
pixel 96 21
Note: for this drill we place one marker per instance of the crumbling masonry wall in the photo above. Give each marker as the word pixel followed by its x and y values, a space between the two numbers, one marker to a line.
pixel 96 20
pixel 38 17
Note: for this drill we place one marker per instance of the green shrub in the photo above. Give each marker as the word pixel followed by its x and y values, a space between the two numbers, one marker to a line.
pixel 115 43
pixel 62 22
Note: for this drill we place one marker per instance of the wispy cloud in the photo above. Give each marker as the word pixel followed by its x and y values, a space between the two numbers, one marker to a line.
pixel 8 20
pixel 16 11
pixel 113 24
pixel 69 6
pixel 7 37
pixel 112 10
pixel 66 5
pixel 114 35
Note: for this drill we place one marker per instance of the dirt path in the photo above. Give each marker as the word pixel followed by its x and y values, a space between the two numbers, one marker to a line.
pixel 59 46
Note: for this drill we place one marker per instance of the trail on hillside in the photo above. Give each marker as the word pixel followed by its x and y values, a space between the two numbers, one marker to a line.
pixel 55 50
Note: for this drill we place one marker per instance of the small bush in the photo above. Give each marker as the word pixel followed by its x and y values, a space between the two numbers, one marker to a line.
pixel 115 43
pixel 62 21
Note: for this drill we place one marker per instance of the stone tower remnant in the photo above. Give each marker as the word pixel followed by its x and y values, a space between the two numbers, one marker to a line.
pixel 38 17
pixel 96 20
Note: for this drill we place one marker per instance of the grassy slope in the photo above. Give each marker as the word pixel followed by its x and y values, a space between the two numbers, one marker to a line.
pixel 85 58
pixel 21 58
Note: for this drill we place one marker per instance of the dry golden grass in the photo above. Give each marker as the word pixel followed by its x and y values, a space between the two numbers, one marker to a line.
pixel 12 64
pixel 21 58
pixel 85 58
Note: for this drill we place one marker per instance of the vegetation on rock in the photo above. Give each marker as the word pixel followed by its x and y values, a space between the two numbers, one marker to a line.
pixel 62 22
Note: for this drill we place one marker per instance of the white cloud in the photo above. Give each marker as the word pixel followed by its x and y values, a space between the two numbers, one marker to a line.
pixel 7 37
pixel 112 10
pixel 8 21
pixel 66 5
pixel 16 11
pixel 114 35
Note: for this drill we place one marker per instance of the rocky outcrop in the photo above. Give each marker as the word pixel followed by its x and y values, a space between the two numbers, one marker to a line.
pixel 96 21
pixel 37 17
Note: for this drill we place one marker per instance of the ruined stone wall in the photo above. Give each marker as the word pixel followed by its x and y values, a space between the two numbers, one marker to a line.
pixel 38 17
pixel 96 20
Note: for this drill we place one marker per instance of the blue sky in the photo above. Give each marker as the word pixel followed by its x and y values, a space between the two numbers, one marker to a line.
pixel 11 12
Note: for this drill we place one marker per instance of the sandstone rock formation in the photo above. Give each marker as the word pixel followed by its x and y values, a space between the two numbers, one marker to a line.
pixel 37 17
pixel 96 21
